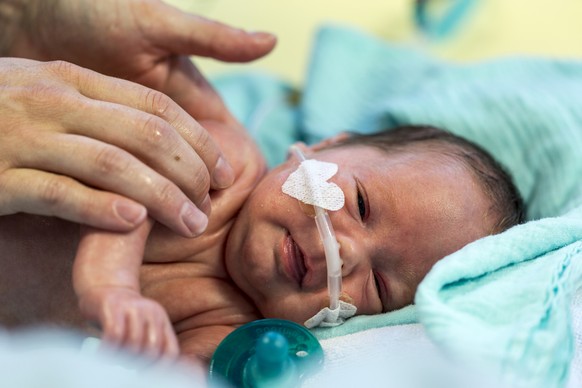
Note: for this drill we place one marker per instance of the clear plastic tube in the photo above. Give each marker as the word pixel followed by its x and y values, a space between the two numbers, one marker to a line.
pixel 330 247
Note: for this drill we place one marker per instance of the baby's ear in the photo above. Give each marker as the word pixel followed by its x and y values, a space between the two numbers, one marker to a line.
pixel 329 141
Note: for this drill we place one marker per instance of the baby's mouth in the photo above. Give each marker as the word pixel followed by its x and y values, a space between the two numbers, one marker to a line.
pixel 295 263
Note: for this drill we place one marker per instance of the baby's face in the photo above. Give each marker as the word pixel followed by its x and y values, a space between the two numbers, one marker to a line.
pixel 402 213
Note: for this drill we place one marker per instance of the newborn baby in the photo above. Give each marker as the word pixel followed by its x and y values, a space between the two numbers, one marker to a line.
pixel 412 196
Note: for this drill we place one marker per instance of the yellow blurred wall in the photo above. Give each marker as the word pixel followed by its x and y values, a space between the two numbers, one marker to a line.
pixel 493 28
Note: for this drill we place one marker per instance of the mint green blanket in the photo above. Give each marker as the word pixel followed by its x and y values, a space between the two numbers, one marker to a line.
pixel 503 301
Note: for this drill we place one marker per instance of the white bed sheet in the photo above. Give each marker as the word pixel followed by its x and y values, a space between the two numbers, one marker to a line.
pixel 403 356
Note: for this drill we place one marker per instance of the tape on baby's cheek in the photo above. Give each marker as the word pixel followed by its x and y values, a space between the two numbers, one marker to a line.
pixel 309 185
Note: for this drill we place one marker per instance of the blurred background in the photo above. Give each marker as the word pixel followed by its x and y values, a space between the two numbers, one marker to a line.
pixel 459 30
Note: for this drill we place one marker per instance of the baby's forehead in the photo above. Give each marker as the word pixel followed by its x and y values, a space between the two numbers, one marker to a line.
pixel 432 155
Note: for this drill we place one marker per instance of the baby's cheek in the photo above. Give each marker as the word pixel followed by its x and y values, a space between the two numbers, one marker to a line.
pixel 345 297
pixel 296 307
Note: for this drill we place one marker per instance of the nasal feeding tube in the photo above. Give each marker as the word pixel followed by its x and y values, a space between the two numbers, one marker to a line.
pixel 330 247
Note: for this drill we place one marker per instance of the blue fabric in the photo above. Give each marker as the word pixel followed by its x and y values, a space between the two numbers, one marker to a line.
pixel 504 300
pixel 525 111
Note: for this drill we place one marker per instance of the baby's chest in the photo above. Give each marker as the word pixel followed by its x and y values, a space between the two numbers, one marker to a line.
pixel 203 307
pixel 194 298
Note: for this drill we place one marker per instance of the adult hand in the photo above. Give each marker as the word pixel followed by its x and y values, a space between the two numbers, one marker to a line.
pixel 146 41
pixel 91 149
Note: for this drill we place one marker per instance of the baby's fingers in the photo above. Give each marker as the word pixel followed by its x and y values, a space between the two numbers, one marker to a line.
pixel 114 329
pixel 170 348
pixel 150 333
pixel 124 328
pixel 44 193
pixel 161 339
pixel 135 339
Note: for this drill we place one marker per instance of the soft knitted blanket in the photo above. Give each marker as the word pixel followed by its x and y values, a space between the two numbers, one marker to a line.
pixel 502 301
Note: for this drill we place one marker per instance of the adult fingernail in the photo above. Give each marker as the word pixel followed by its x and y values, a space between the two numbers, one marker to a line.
pixel 130 212
pixel 194 219
pixel 262 35
pixel 223 175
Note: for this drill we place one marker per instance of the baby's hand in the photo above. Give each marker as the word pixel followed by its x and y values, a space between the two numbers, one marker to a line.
pixel 130 321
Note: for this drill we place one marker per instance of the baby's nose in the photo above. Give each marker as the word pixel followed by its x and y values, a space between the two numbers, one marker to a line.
pixel 348 252
pixel 307 209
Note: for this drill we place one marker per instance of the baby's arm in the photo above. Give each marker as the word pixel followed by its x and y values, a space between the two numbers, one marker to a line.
pixel 108 290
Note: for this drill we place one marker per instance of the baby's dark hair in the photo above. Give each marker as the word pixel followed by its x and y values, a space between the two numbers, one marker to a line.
pixel 506 202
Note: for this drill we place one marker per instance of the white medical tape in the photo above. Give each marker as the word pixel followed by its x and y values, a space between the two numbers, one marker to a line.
pixel 309 185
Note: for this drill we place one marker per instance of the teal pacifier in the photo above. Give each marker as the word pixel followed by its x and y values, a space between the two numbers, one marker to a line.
pixel 266 353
